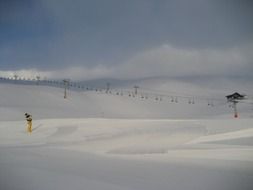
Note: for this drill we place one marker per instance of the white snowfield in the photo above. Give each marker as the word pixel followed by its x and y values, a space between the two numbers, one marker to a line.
pixel 98 141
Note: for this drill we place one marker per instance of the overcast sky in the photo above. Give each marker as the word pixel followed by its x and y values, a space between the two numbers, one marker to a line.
pixel 89 39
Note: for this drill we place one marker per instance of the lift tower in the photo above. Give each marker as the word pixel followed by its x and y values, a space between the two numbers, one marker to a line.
pixel 234 99
pixel 66 85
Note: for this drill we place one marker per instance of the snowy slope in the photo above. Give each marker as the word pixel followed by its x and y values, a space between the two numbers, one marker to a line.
pixel 96 141
pixel 47 102
pixel 126 154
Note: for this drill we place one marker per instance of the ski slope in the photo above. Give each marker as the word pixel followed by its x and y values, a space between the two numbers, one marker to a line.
pixel 48 102
pixel 101 141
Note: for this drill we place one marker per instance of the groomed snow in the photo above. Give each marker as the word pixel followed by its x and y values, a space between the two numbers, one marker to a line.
pixel 100 141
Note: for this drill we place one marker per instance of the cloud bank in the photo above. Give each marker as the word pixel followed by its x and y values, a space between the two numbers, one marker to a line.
pixel 164 60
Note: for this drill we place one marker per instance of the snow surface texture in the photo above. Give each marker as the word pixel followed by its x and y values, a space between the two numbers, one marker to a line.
pixel 100 141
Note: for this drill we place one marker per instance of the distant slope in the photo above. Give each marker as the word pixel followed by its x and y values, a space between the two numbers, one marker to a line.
pixel 48 102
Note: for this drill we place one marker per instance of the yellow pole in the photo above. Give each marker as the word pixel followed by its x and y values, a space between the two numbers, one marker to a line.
pixel 29 126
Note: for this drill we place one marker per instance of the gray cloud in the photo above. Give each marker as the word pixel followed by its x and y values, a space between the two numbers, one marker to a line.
pixel 166 61
pixel 171 61
pixel 94 38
